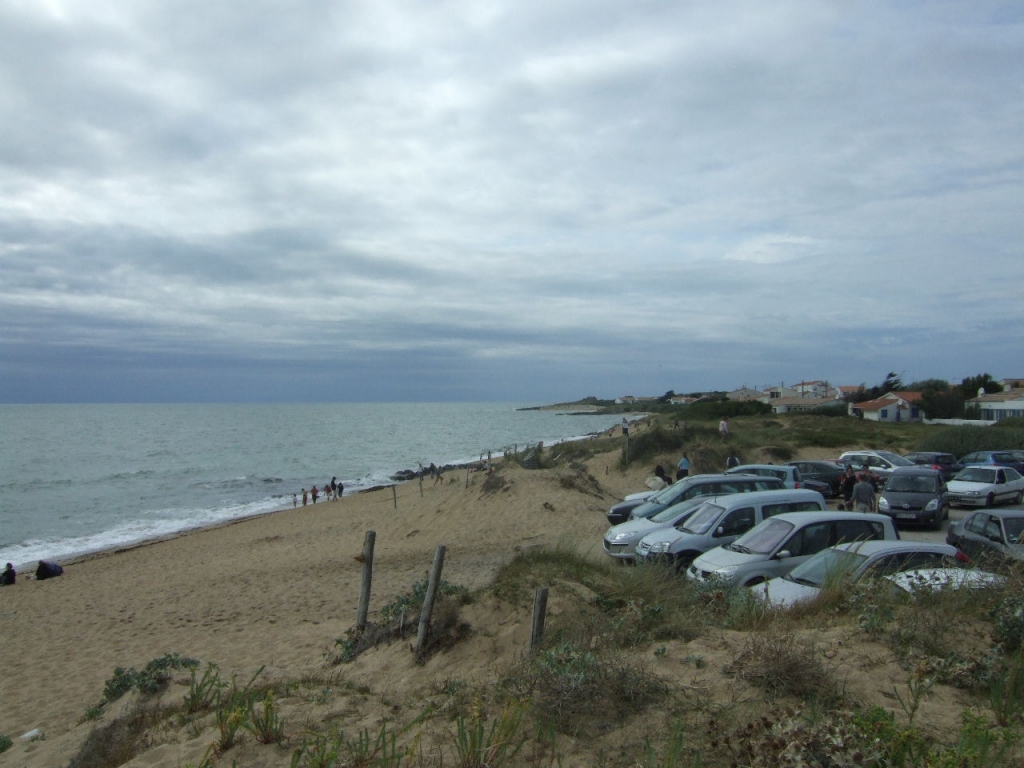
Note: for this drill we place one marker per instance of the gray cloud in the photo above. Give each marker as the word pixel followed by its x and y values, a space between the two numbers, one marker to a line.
pixel 478 200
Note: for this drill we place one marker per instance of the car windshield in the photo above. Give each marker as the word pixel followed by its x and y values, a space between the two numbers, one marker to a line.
pixel 892 458
pixel 700 522
pixel 670 514
pixel 827 564
pixel 910 484
pixel 764 538
pixel 668 495
pixel 977 475
pixel 1014 527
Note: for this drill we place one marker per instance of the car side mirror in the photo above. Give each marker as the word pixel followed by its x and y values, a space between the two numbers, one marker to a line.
pixel 720 531
pixel 784 554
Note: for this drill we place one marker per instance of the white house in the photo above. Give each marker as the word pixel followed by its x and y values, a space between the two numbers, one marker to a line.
pixel 891 407
pixel 999 405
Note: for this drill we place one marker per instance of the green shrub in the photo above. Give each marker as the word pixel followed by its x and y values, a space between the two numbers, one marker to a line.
pixel 1008 623
pixel 5 742
pixel 152 679
pixel 963 440
pixel 576 688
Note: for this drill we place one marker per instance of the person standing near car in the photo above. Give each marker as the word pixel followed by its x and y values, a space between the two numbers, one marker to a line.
pixel 863 495
pixel 846 487
pixel 683 467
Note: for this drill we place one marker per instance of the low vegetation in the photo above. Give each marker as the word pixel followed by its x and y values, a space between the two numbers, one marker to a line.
pixel 636 667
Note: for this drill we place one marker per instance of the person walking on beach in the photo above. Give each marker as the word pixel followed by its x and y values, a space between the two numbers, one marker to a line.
pixel 8 576
pixel 625 427
pixel 295 501
pixel 314 493
pixel 305 496
pixel 340 490
pixel 334 487
pixel 437 474
pixel 723 428
pixel 683 467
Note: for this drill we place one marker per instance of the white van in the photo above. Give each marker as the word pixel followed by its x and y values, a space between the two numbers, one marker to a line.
pixel 721 520
pixel 780 543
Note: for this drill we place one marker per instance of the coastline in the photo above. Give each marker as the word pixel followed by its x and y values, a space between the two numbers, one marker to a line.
pixel 273 591
pixel 95 479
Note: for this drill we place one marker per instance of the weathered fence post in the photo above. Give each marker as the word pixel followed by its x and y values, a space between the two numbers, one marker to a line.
pixel 540 607
pixel 421 483
pixel 428 600
pixel 364 592
pixel 394 495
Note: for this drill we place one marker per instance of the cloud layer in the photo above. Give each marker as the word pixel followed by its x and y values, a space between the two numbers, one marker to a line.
pixel 493 200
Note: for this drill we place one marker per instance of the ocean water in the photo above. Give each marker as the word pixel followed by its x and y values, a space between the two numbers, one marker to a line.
pixel 76 479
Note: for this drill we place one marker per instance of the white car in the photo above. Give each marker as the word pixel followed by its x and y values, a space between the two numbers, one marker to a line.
pixel 848 563
pixel 779 544
pixel 985 486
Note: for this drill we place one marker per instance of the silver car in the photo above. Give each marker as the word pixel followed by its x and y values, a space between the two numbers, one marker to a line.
pixel 620 540
pixel 779 544
pixel 848 563
pixel 720 521
pixel 985 486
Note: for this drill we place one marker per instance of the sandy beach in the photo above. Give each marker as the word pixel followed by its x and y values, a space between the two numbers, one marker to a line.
pixel 274 591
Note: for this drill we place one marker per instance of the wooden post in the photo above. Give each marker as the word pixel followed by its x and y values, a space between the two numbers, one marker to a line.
pixel 364 592
pixel 467 477
pixel 428 600
pixel 394 495
pixel 421 484
pixel 540 607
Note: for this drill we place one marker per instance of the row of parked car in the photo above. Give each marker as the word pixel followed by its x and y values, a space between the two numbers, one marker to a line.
pixel 754 526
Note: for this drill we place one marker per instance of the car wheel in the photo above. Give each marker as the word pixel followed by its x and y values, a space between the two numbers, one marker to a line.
pixel 990 500
pixel 684 561
pixel 937 522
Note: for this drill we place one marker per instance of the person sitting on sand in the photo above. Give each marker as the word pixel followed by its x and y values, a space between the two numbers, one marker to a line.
pixel 8 576
pixel 48 570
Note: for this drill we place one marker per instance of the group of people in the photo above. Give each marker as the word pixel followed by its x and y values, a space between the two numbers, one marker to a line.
pixel 45 570
pixel 331 490
pixel 858 491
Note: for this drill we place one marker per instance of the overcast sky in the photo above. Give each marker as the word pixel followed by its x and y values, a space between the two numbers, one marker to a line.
pixel 510 201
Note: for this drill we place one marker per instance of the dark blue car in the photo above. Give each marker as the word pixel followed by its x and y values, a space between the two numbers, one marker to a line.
pixel 1000 458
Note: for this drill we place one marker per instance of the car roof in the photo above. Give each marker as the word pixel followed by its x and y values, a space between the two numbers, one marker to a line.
pixel 1003 512
pixel 811 516
pixel 916 470
pixel 739 470
pixel 878 547
pixel 780 494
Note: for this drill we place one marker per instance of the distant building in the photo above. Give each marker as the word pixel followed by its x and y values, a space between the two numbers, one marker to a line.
pixel 999 405
pixel 802 403
pixel 890 407
pixel 745 393
pixel 774 393
pixel 812 388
